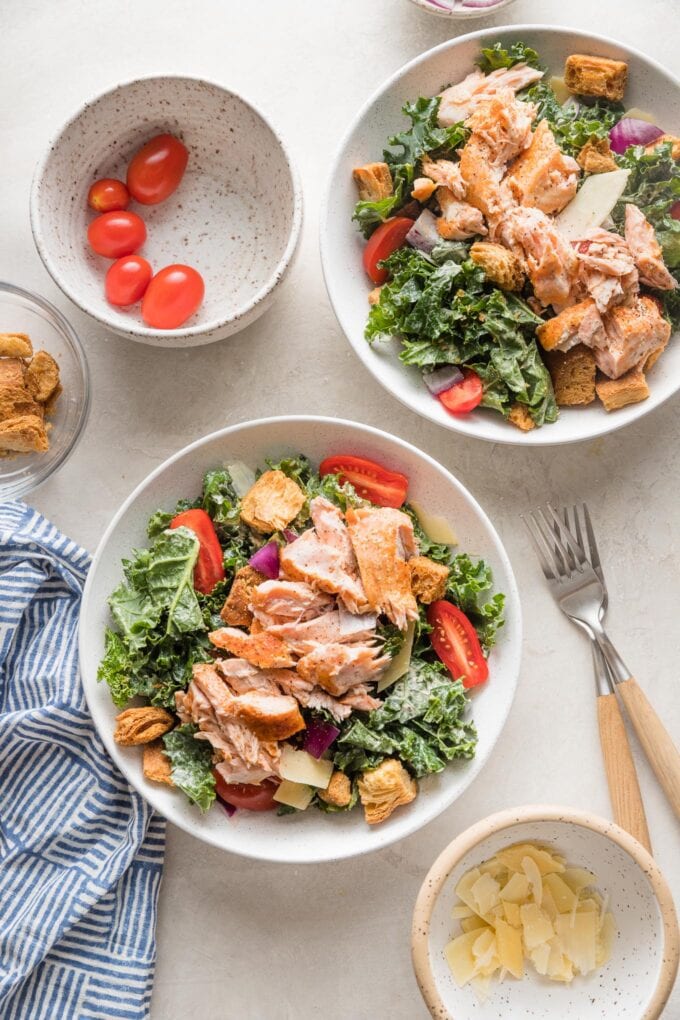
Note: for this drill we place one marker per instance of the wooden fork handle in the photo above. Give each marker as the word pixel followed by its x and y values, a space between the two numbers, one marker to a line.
pixel 661 752
pixel 624 788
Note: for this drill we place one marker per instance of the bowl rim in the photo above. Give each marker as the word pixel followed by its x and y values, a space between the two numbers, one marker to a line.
pixel 539 437
pixel 499 822
pixel 513 603
pixel 139 330
pixel 480 12
pixel 47 469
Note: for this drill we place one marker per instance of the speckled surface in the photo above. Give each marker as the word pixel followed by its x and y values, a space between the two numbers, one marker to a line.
pixel 239 940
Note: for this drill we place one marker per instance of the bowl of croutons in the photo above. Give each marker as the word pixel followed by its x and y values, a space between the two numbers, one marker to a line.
pixel 44 390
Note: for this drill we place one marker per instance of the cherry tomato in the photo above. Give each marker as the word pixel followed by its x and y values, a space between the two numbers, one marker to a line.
pixel 455 641
pixel 114 234
pixel 252 797
pixel 172 297
pixel 464 395
pixel 108 195
pixel 389 236
pixel 371 480
pixel 127 279
pixel 209 567
pixel 157 169
pixel 675 210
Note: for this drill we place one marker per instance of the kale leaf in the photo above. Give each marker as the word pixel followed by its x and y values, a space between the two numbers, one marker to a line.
pixel 467 586
pixel 191 765
pixel 575 123
pixel 494 57
pixel 300 470
pixel 653 186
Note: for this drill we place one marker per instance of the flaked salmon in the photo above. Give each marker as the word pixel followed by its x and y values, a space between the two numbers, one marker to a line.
pixel 606 268
pixel 457 102
pixel 633 331
pixel 329 628
pixel 383 541
pixel 646 250
pixel 322 566
pixel 336 668
pixel 551 263
pixel 459 220
pixel 262 649
pixel 294 600
pixel 331 529
pixel 542 176
pixel 445 173
pixel 484 187
pixel 503 123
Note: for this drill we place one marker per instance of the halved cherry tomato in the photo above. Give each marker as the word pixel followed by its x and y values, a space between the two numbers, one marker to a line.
pixel 675 210
pixel 389 236
pixel 157 169
pixel 108 195
pixel 127 279
pixel 455 641
pixel 209 567
pixel 172 297
pixel 371 480
pixel 252 797
pixel 465 395
pixel 114 234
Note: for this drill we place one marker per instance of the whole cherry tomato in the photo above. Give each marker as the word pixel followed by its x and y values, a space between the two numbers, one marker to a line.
pixel 114 234
pixel 172 297
pixel 127 280
pixel 157 169
pixel 108 195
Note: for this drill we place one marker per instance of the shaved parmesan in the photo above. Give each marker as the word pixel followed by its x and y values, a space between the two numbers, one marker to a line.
pixel 536 925
pixel 560 892
pixel 436 528
pixel 561 91
pixel 295 795
pixel 242 477
pixel 592 203
pixel 401 661
pixel 510 951
pixel 512 915
pixel 486 894
pixel 638 114
pixel 473 923
pixel 516 889
pixel 578 879
pixel 460 959
pixel 301 767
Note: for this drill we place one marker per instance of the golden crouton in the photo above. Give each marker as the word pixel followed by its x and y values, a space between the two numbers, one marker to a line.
pixel 142 725
pixel 596 157
pixel 374 181
pixel 595 76
pixel 519 416
pixel 272 503
pixel 673 139
pixel 428 579
pixel 338 792
pixel 383 789
pixel 12 372
pixel 235 610
pixel 423 188
pixel 573 375
pixel 15 345
pixel 562 331
pixel 374 296
pixel 156 765
pixel 51 402
pixel 16 401
pixel 42 376
pixel 23 434
pixel 630 388
pixel 500 265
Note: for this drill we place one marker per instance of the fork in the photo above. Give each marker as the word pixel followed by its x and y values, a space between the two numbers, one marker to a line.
pixel 580 594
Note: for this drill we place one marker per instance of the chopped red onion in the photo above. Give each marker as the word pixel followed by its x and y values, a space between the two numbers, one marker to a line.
pixel 424 235
pixel 319 737
pixel 441 379
pixel 290 536
pixel 631 131
pixel 266 560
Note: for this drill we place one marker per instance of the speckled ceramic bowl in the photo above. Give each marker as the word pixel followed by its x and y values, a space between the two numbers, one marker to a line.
pixel 235 217
pixel 634 985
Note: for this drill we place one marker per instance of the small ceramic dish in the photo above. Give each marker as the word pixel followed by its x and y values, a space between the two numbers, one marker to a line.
pixel 457 9
pixel 636 982
pixel 22 312
pixel 235 218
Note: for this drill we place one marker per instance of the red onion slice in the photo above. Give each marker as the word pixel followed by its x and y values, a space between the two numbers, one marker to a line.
pixel 479 3
pixel 424 235
pixel 631 131
pixel 441 379
pixel 266 560
pixel 290 536
pixel 319 737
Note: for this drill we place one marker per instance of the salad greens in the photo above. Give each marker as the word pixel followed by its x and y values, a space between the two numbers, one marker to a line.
pixel 573 124
pixel 653 186
pixel 191 764
pixel 494 57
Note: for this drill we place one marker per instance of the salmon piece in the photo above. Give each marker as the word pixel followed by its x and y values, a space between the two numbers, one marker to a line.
pixel 269 716
pixel 322 566
pixel 383 541
pixel 578 324
pixel 647 253
pixel 445 173
pixel 457 102
pixel 633 332
pixel 310 696
pixel 606 268
pixel 294 600
pixel 242 676
pixel 459 220
pixel 503 123
pixel 236 610
pixel 484 188
pixel 542 176
pixel 359 700
pixel 263 649
pixel 551 263
pixel 336 627
pixel 336 668
pixel 331 529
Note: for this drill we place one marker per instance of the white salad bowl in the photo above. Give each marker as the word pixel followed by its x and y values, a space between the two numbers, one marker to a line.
pixel 311 835
pixel 235 217
pixel 636 982
pixel 650 88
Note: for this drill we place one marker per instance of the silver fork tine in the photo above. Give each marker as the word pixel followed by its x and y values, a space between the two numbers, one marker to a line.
pixel 566 538
pixel 537 542
pixel 593 551
pixel 570 522
pixel 551 541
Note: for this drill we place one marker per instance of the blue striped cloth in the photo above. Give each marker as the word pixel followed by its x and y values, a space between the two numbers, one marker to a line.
pixel 81 854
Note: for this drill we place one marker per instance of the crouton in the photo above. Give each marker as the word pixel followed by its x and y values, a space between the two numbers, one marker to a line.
pixel 235 611
pixel 142 725
pixel 652 358
pixel 51 402
pixel 595 76
pixel 338 793
pixel 12 372
pixel 383 789
pixel 630 388
pixel 661 140
pixel 519 416
pixel 16 401
pixel 272 502
pixel 42 376
pixel 573 375
pixel 374 296
pixel 596 157
pixel 500 265
pixel 270 717
pixel 156 765
pixel 428 579
pixel 374 181
pixel 15 345
pixel 423 188
pixel 577 324
pixel 23 434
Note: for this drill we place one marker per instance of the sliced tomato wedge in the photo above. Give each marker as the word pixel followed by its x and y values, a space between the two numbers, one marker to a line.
pixel 371 480
pixel 251 797
pixel 455 641
pixel 465 395
pixel 209 567
pixel 389 236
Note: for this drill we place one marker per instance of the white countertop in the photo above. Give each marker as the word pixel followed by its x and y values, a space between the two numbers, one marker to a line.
pixel 240 940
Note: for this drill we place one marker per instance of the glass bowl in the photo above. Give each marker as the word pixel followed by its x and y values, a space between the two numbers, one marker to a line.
pixel 23 312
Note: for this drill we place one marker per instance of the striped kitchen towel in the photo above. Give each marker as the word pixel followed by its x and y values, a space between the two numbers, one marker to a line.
pixel 81 854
